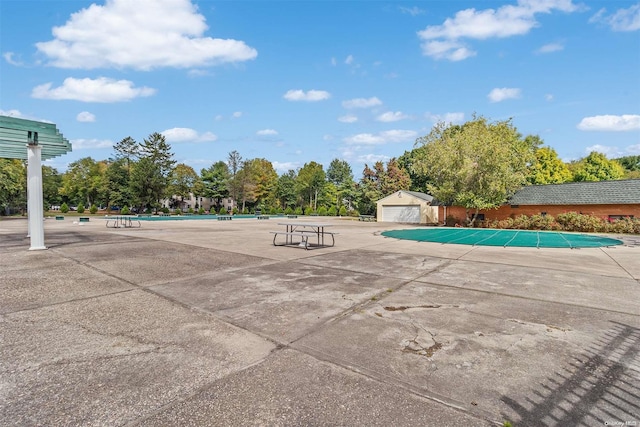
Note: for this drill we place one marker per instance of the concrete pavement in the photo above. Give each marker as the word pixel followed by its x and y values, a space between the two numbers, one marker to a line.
pixel 207 323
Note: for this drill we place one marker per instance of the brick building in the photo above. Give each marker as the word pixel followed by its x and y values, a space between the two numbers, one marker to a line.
pixel 606 199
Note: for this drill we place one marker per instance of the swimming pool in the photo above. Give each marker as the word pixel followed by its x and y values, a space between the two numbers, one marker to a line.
pixel 512 238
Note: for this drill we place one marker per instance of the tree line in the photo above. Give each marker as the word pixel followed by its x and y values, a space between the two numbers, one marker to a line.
pixel 478 165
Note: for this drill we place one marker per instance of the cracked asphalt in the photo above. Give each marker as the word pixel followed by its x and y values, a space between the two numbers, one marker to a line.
pixel 206 323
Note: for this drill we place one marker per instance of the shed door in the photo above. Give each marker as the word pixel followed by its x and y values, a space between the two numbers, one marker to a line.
pixel 404 213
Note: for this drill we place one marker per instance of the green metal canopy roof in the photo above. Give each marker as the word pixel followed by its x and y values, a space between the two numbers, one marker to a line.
pixel 16 133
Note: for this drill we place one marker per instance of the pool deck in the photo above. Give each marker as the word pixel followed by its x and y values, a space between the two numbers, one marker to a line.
pixel 207 323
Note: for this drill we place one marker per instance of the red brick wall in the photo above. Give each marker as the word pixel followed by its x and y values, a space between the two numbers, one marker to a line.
pixel 507 211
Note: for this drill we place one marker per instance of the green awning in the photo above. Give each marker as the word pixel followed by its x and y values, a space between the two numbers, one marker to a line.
pixel 16 133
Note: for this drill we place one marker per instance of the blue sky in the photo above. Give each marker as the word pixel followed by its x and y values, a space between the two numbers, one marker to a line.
pixel 296 81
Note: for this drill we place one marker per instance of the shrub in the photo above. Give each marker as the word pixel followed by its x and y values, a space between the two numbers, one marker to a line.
pixel 165 209
pixel 322 211
pixel 125 210
pixel 81 208
pixel 572 221
pixel 93 209
pixel 308 210
pixel 354 212
pixel 451 221
pixel 342 211
pixel 200 210
pixel 332 211
pixel 64 208
pixel 298 210
pixel 288 210
pixel 191 210
pixel 222 211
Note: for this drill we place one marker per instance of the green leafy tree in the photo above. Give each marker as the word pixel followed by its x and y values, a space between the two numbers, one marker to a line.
pixel 182 181
pixel 263 180
pixel 369 188
pixel 117 183
pixel 81 208
pixel 631 165
pixel 286 189
pixel 84 182
pixel 547 168
pixel 147 184
pixel 93 209
pixel 419 180
pixel 13 184
pixel 152 169
pixel 235 163
pixel 310 182
pixel 127 150
pixel 394 178
pixel 51 183
pixel 64 208
pixel 596 167
pixel 215 182
pixel 340 174
pixel 477 165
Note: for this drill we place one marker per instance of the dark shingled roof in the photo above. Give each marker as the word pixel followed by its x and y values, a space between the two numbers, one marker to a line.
pixel 621 192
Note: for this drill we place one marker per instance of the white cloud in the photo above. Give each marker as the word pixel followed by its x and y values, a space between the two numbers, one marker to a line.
pixel 237 114
pixel 20 115
pixel 312 95
pixel 392 116
pixel 187 135
pixel 85 144
pixel 501 94
pixel 609 151
pixel 413 11
pixel 143 35
pixel 548 97
pixel 612 123
pixel 445 41
pixel 11 113
pixel 101 89
pixel 385 137
pixel 362 102
pixel 372 159
pixel 267 132
pixel 9 57
pixel 349 60
pixel 456 117
pixel 550 47
pixel 283 167
pixel 86 117
pixel 348 119
pixel 621 20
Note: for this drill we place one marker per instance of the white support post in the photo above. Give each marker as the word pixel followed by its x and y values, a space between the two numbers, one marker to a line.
pixel 35 208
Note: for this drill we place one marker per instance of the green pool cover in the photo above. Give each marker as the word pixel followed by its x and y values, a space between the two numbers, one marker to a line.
pixel 490 237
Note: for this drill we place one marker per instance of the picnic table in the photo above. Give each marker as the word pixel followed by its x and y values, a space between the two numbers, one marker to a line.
pixel 120 221
pixel 299 233
pixel 367 218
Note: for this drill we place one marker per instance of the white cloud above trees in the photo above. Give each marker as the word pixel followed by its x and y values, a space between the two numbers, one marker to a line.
pixel 448 40
pixel 141 35
pixel 102 89
pixel 611 123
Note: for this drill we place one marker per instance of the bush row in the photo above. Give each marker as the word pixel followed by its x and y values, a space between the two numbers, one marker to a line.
pixel 568 221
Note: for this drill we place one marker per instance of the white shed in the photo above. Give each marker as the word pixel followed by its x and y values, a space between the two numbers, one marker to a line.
pixel 408 207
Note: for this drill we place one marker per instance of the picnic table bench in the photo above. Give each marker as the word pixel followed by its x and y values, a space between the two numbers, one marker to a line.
pixel 366 218
pixel 120 221
pixel 225 217
pixel 298 234
pixel 262 216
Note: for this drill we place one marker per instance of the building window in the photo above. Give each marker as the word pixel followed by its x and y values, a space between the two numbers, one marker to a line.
pixel 613 218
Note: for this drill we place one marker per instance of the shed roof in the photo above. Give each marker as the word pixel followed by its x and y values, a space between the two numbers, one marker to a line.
pixel 417 194
pixel 14 136
pixel 580 193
